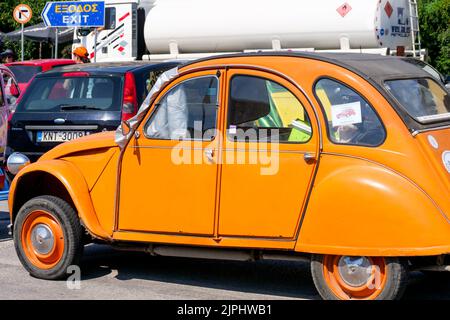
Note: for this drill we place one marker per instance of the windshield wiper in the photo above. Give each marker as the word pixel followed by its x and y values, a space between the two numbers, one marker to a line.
pixel 77 107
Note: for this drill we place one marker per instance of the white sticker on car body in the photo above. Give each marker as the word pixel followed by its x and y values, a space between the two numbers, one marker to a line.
pixel 433 142
pixel 446 160
pixel 346 114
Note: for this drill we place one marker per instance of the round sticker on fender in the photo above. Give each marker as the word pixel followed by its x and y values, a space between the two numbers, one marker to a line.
pixel 446 160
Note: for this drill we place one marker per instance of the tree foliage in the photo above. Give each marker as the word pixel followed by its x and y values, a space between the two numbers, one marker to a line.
pixel 434 20
pixel 8 24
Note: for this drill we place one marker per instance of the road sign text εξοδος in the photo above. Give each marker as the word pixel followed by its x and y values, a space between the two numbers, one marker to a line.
pixel 74 14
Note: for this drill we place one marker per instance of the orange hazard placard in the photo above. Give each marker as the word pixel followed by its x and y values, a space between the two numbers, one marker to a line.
pixel 22 13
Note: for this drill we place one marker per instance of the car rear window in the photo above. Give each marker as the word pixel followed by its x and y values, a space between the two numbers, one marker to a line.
pixel 24 74
pixel 423 99
pixel 73 94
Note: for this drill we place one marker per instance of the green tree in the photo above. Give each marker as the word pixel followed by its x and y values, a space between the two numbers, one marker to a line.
pixel 434 20
pixel 8 24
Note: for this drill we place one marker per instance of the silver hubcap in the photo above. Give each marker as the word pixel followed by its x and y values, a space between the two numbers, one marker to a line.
pixel 355 271
pixel 42 238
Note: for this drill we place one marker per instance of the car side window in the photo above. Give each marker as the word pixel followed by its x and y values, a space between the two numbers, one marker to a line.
pixel 350 118
pixel 186 112
pixel 11 89
pixel 110 18
pixel 263 110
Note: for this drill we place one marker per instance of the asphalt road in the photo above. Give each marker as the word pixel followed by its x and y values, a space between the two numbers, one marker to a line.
pixel 109 274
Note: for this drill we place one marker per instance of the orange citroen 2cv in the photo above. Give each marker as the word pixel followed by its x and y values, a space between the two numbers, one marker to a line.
pixel 341 159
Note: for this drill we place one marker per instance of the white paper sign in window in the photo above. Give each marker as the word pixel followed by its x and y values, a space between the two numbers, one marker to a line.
pixel 346 114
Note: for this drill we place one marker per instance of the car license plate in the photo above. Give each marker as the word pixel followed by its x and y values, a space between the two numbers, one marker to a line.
pixel 59 136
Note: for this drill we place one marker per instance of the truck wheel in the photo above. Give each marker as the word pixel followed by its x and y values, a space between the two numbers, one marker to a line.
pixel 358 278
pixel 48 237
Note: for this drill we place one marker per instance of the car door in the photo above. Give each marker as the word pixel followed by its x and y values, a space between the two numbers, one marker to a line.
pixel 3 118
pixel 269 156
pixel 169 169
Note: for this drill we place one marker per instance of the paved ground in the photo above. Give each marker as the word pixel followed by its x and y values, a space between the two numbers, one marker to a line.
pixel 108 274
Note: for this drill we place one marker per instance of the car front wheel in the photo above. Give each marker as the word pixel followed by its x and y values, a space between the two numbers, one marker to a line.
pixel 358 278
pixel 48 237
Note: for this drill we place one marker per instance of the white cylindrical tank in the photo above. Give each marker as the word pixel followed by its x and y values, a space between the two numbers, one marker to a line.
pixel 236 25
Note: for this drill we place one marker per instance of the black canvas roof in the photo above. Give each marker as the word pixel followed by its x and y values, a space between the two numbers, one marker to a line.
pixel 374 66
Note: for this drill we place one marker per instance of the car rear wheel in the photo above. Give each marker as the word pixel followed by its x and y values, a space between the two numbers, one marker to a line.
pixel 48 237
pixel 358 278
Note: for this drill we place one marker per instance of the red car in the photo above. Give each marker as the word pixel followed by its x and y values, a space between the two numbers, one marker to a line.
pixel 24 71
pixel 9 95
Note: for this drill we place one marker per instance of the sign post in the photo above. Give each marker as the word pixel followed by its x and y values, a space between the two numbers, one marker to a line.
pixel 21 43
pixel 56 43
pixel 22 14
pixel 95 44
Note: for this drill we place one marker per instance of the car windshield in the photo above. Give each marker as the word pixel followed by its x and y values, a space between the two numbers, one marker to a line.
pixel 87 93
pixel 423 99
pixel 24 74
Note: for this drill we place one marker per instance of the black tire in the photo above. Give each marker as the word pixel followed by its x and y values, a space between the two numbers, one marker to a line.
pixel 396 279
pixel 72 230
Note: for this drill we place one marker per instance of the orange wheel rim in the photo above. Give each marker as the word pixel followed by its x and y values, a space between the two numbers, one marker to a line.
pixel 42 239
pixel 362 278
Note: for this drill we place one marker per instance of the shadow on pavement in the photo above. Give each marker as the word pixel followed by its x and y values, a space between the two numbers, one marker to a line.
pixel 283 279
pixel 429 286
pixel 4 221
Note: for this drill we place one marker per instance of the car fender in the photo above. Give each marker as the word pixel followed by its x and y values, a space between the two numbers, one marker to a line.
pixel 72 179
pixel 365 208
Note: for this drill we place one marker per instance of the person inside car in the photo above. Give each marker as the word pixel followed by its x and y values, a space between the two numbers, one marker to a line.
pixel 80 56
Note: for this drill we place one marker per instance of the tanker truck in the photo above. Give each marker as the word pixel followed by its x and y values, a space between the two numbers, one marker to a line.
pixel 185 29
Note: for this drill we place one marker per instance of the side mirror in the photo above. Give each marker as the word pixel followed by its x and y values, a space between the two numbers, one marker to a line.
pixel 447 82
pixel 125 127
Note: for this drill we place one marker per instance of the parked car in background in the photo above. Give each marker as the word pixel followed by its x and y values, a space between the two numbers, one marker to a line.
pixel 243 157
pixel 24 71
pixel 78 100
pixel 9 93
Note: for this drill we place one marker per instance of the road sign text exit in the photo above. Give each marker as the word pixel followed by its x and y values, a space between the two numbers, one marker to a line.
pixel 74 14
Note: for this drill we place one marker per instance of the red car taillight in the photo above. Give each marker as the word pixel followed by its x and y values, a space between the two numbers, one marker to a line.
pixel 129 105
pixel 76 74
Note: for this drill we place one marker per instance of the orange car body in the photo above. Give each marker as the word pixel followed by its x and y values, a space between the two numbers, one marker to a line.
pixel 386 200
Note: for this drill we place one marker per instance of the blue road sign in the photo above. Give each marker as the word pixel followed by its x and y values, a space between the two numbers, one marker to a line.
pixel 74 14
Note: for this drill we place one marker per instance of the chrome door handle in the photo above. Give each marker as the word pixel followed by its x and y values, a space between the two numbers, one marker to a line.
pixel 209 153
pixel 309 157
